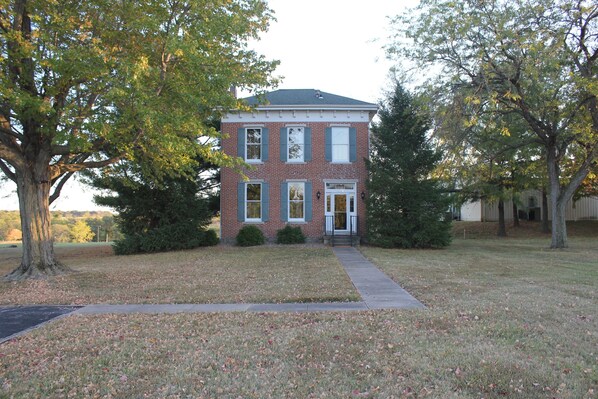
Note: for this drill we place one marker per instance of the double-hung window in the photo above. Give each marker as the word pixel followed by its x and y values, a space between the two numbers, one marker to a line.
pixel 296 201
pixel 296 144
pixel 253 202
pixel 340 144
pixel 253 144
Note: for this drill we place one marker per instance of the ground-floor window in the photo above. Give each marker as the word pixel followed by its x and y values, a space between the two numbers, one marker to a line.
pixel 253 202
pixel 296 201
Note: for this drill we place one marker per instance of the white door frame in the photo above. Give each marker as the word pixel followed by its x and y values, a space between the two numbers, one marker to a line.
pixel 350 204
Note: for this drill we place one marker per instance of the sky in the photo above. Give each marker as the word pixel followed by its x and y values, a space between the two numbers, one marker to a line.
pixel 330 45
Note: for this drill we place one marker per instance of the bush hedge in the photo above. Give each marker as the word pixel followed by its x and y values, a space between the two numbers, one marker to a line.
pixel 166 238
pixel 290 235
pixel 249 236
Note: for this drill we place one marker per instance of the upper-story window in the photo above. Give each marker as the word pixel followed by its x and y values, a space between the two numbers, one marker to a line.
pixel 296 144
pixel 340 144
pixel 253 143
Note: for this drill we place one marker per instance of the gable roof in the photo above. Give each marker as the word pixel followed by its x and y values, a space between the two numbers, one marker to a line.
pixel 306 98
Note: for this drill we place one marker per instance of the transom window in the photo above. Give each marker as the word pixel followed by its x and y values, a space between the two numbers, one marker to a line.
pixel 296 144
pixel 297 201
pixel 340 144
pixel 253 142
pixel 253 202
pixel 340 186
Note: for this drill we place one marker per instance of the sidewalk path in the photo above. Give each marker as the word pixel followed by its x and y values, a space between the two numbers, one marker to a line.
pixel 377 290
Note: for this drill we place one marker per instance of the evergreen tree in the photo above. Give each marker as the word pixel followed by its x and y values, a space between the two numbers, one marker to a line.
pixel 157 215
pixel 405 207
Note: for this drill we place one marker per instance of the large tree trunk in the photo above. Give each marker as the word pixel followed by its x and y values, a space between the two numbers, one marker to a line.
pixel 502 228
pixel 515 213
pixel 38 260
pixel 545 224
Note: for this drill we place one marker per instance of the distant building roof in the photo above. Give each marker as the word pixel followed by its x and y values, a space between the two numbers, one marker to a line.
pixel 306 98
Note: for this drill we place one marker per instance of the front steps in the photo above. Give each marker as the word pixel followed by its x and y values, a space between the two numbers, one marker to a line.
pixel 342 241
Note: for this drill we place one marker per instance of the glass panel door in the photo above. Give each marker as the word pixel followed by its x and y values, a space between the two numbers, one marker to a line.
pixel 340 212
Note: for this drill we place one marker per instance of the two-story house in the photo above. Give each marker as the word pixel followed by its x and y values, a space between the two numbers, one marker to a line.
pixel 307 151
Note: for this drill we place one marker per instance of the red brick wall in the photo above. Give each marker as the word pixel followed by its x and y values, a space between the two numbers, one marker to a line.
pixel 275 172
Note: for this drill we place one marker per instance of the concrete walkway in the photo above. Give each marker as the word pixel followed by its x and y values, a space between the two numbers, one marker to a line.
pixel 376 288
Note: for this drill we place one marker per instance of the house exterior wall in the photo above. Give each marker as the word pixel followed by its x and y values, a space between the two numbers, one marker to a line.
pixel 583 209
pixel 275 171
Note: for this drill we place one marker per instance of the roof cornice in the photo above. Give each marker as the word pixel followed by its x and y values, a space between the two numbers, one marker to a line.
pixel 315 107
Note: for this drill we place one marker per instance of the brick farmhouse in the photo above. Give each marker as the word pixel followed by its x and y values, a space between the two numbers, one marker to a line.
pixel 307 151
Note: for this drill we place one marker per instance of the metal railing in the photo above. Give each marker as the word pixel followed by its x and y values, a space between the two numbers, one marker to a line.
pixel 352 222
pixel 329 228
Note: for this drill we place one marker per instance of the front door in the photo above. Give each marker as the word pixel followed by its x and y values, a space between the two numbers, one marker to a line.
pixel 340 212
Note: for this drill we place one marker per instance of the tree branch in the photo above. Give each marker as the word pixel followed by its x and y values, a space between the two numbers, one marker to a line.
pixel 11 133
pixel 60 185
pixel 76 167
pixel 9 173
pixel 10 154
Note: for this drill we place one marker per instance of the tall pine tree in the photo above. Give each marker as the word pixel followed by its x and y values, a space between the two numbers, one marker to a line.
pixel 405 207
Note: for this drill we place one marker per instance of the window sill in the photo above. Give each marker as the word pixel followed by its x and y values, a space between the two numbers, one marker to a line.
pixel 296 163
pixel 254 162
pixel 341 163
pixel 254 222
pixel 296 222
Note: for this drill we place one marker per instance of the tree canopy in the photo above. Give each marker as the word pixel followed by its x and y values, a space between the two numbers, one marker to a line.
pixel 533 60
pixel 85 84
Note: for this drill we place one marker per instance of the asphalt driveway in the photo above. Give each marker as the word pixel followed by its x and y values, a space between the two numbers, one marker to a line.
pixel 15 320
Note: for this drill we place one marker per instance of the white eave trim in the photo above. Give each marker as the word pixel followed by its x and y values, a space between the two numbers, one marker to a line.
pixel 315 107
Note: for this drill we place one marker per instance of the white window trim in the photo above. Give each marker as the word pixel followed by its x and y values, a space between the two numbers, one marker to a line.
pixel 260 144
pixel 253 220
pixel 302 159
pixel 290 219
pixel 348 155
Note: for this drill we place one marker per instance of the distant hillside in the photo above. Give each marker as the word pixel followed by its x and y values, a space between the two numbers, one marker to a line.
pixel 99 226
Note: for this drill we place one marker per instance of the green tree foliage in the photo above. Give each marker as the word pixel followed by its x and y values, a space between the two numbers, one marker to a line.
pixel 156 215
pixel 481 161
pixel 533 60
pixel 405 207
pixel 81 232
pixel 61 233
pixel 88 83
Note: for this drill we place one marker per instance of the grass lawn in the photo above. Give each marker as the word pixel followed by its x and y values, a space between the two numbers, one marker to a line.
pixel 207 275
pixel 505 318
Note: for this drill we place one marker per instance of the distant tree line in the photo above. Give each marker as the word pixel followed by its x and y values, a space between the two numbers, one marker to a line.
pixel 67 226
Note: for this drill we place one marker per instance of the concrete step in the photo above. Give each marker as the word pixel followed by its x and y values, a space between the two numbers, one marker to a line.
pixel 342 240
